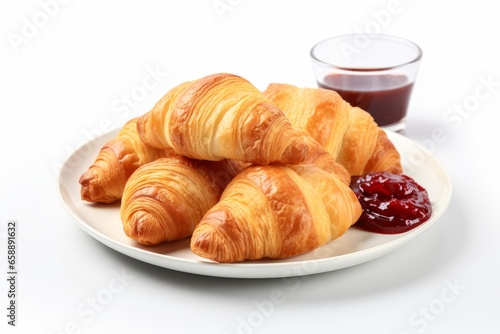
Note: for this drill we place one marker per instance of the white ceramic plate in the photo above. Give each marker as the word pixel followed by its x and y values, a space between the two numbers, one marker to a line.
pixel 355 247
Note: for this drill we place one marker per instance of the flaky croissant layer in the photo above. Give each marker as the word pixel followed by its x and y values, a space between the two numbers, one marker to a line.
pixel 165 199
pixel 105 179
pixel 222 116
pixel 275 212
pixel 349 133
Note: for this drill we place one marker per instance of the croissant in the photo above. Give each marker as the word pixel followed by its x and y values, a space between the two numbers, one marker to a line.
pixel 105 179
pixel 323 159
pixel 165 199
pixel 275 211
pixel 349 133
pixel 222 116
pixel 385 157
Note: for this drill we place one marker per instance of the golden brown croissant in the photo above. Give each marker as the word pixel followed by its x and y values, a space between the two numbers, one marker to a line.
pixel 385 157
pixel 105 179
pixel 165 199
pixel 323 159
pixel 222 116
pixel 275 211
pixel 349 133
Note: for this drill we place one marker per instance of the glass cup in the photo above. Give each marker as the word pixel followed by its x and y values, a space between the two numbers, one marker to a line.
pixel 372 71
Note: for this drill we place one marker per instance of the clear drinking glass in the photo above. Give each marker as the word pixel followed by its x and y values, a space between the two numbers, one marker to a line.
pixel 372 71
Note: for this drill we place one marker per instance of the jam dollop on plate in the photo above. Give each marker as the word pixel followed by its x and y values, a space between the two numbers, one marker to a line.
pixel 391 203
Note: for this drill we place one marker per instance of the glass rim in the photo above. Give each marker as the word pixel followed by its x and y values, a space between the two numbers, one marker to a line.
pixel 415 59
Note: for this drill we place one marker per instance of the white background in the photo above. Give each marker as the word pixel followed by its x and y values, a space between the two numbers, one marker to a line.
pixel 64 71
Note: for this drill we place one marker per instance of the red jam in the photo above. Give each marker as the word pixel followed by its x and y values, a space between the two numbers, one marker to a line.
pixel 391 203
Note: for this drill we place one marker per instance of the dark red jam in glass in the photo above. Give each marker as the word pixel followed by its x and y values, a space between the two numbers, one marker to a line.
pixel 384 96
pixel 391 203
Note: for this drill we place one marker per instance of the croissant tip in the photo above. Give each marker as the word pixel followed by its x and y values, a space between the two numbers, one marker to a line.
pixel 91 191
pixel 143 227
pixel 220 245
pixel 85 193
pixel 86 187
pixel 201 241
pixel 207 243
